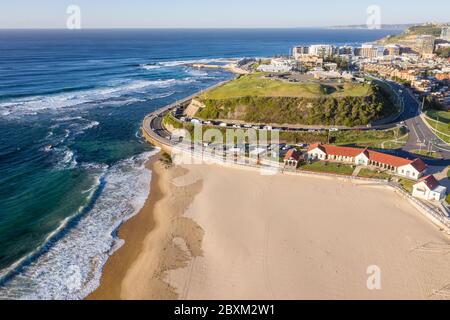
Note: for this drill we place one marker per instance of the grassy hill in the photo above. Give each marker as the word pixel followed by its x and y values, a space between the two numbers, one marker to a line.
pixel 410 34
pixel 254 98
pixel 259 86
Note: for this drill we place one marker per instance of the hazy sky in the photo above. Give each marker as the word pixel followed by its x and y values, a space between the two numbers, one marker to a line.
pixel 214 13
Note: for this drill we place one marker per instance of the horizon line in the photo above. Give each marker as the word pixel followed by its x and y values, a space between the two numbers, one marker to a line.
pixel 198 28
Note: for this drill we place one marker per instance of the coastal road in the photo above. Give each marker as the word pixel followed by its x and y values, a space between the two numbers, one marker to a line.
pixel 420 136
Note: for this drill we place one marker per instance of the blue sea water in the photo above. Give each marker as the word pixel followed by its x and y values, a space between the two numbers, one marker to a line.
pixel 71 154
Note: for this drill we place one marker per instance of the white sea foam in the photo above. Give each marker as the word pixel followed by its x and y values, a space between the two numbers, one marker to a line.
pixel 184 62
pixel 151 67
pixel 71 268
pixel 65 158
pixel 34 104
pixel 196 73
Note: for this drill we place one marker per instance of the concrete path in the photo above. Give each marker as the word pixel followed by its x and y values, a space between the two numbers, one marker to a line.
pixel 357 170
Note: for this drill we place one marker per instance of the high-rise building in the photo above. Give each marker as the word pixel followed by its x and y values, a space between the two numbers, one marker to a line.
pixel 299 51
pixel 425 45
pixel 392 50
pixel 370 51
pixel 345 50
pixel 321 50
pixel 445 33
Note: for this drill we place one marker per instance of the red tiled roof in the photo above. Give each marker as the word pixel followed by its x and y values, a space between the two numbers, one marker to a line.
pixel 380 157
pixel 292 154
pixel 314 146
pixel 430 181
pixel 342 151
pixel 388 159
pixel 419 165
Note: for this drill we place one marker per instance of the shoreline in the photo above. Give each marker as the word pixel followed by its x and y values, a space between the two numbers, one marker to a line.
pixel 119 262
pixel 151 246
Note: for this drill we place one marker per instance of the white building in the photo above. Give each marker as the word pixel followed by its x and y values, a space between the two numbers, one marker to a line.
pixel 299 51
pixel 428 188
pixel 321 50
pixel 412 169
pixel 445 33
pixel 278 65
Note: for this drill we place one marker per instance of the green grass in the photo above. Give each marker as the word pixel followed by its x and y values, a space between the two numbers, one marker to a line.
pixel 395 144
pixel 447 198
pixel 442 116
pixel 441 127
pixel 425 153
pixel 368 138
pixel 328 167
pixel 367 173
pixel 407 185
pixel 258 85
pixel 170 120
pixel 414 31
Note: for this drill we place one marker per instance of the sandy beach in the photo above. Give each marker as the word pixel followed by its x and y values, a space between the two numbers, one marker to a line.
pixel 211 232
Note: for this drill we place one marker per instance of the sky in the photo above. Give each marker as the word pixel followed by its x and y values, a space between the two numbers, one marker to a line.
pixel 217 14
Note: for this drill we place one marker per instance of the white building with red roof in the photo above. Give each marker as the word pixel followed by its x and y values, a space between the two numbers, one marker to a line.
pixel 412 169
pixel 428 188
pixel 292 158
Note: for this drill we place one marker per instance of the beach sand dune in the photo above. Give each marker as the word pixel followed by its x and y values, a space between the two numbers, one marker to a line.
pixel 285 237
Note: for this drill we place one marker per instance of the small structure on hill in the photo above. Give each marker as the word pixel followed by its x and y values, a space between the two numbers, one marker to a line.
pixel 292 158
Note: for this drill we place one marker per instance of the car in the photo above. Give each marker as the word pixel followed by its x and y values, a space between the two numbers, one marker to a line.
pixel 267 128
pixel 222 124
pixel 334 129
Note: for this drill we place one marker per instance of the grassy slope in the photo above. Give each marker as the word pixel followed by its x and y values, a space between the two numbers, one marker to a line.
pixel 367 173
pixel 328 167
pixel 442 116
pixel 411 33
pixel 256 99
pixel 441 127
pixel 407 185
pixel 257 85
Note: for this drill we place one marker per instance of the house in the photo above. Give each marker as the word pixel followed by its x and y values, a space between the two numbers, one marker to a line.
pixel 428 188
pixel 412 169
pixel 291 158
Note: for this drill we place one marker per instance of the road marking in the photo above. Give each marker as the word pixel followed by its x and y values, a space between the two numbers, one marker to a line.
pixel 420 129
pixel 415 131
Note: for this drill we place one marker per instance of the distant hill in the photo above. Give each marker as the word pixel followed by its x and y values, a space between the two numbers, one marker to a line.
pixel 383 26
pixel 411 33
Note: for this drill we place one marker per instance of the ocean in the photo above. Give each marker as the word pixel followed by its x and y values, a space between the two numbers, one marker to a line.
pixel 71 153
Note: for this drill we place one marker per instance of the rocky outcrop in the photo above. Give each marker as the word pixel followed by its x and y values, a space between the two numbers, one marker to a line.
pixel 193 107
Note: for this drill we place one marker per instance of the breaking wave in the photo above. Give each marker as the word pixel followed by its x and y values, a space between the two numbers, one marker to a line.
pixel 70 266
pixel 32 105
